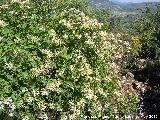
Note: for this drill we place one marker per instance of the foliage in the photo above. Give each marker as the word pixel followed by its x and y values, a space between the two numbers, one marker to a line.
pixel 147 27
pixel 56 60
pixel 101 14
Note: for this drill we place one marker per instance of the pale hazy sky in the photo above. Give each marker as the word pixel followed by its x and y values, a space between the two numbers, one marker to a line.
pixel 137 1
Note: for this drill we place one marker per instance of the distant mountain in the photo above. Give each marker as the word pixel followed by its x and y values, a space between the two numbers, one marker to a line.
pixel 118 6
pixel 106 4
pixel 116 1
pixel 125 11
pixel 137 6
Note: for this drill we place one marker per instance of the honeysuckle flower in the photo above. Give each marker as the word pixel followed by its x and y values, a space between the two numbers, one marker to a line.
pixel 57 41
pixel 79 36
pixel 9 65
pixel 98 107
pixel 1 105
pixel 29 99
pixel 68 25
pixel 47 52
pixel 117 93
pixel 44 92
pixel 65 36
pixel 35 92
pixel 43 116
pixel 3 23
pixel 53 86
pixel 89 94
pixel 51 105
pixel 20 1
pixel 120 41
pixel 17 40
pixel 11 114
pixel 11 12
pixel 7 101
pixel 52 32
pixel 64 21
pixel 35 39
pixel 71 67
pixel 26 118
pixel 89 42
pixel 41 105
pixel 126 43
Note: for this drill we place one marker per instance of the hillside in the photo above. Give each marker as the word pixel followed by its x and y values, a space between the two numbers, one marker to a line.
pixel 106 4
pixel 115 5
pixel 125 11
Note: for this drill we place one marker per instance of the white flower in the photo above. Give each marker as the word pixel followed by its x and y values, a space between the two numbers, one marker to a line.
pixel 43 116
pixel 126 43
pixel 117 93
pixel 119 56
pixel 42 28
pixel 80 36
pixel 56 41
pixel 11 114
pixel 44 92
pixel 29 99
pixel 51 106
pixel 3 23
pixel 7 101
pixel 12 107
pixel 89 94
pixel 35 93
pixel 54 86
pixel 19 1
pixel 26 118
pixel 120 41
pixel 101 92
pixel 17 40
pixel 35 71
pixel 81 103
pixel 41 105
pixel 52 32
pixel 1 105
pixel 34 38
pixel 89 42
pixel 48 52
pixel 68 25
pixel 63 21
pixel 11 12
pixel 65 36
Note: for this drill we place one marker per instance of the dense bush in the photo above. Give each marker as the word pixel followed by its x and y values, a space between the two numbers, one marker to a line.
pixel 57 61
pixel 147 27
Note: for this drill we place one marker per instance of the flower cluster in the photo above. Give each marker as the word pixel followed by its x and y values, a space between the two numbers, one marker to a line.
pixel 3 23
pixel 53 86
pixel 7 104
pixel 20 1
pixel 43 116
pixel 43 69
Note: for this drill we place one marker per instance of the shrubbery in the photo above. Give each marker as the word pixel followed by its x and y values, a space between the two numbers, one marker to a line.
pixel 147 28
pixel 57 61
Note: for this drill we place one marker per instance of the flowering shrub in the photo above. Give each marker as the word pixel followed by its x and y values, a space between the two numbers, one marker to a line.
pixel 58 63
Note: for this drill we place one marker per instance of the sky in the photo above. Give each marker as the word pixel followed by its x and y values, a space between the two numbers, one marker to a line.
pixel 138 1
